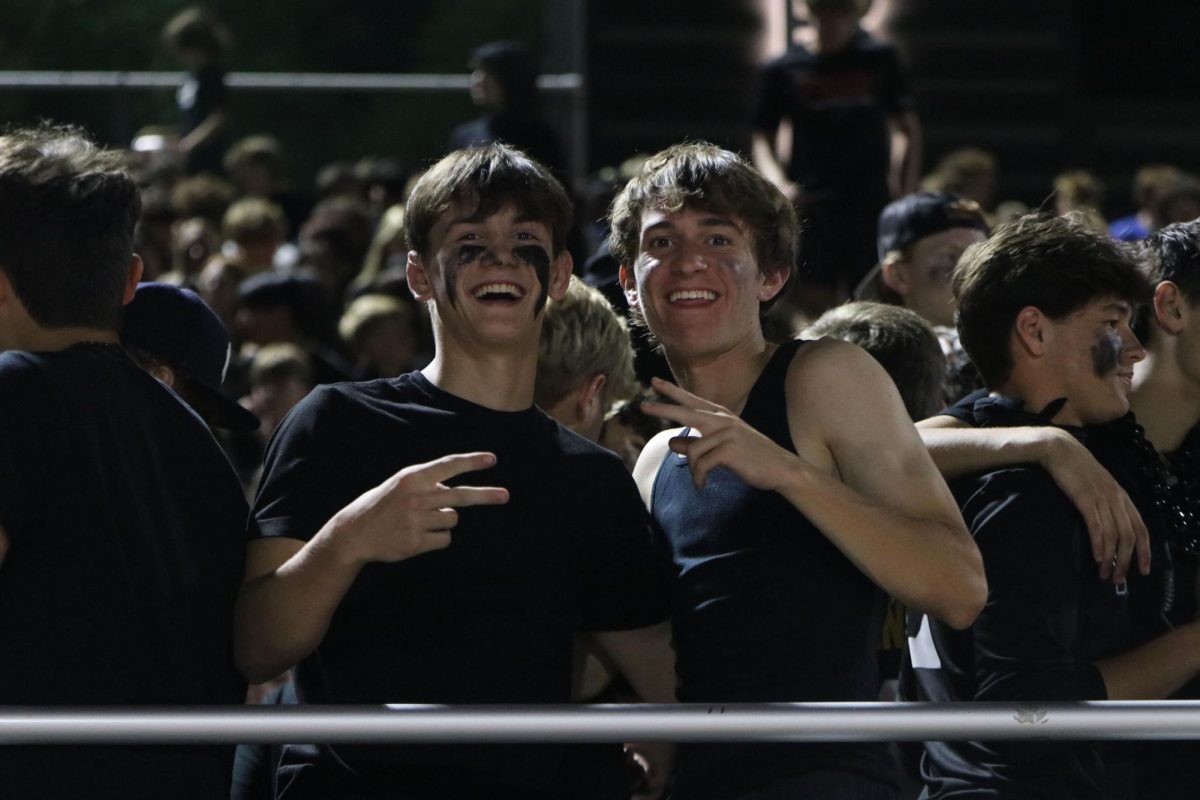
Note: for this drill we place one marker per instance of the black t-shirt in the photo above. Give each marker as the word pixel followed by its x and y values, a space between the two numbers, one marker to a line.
pixel 491 618
pixel 124 521
pixel 838 105
pixel 1049 617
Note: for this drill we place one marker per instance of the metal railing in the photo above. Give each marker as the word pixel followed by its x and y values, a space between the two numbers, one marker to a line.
pixel 567 83
pixel 774 722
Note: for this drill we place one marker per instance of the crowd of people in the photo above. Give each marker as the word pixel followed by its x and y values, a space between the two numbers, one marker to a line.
pixel 796 432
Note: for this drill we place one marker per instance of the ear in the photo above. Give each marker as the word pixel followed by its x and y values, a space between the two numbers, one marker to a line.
pixel 1170 308
pixel 418 277
pixel 560 275
pixel 131 279
pixel 164 374
pixel 629 284
pixel 1030 331
pixel 895 277
pixel 772 283
pixel 589 393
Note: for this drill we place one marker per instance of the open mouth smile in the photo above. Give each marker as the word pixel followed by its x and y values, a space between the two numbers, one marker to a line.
pixel 691 295
pixel 500 291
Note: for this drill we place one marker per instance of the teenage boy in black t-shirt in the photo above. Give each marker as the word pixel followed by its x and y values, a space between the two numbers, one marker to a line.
pixel 1044 312
pixel 121 520
pixel 355 576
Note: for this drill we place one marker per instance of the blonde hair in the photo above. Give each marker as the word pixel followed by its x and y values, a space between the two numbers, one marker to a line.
pixel 254 219
pixel 583 336
pixel 366 311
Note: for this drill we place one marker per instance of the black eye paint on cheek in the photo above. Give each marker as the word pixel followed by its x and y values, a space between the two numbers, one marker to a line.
pixel 539 259
pixel 462 256
pixel 1106 354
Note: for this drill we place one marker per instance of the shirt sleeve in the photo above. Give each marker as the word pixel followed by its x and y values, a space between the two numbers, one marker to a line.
pixel 23 418
pixel 625 587
pixel 964 409
pixel 894 94
pixel 768 99
pixel 1028 641
pixel 301 487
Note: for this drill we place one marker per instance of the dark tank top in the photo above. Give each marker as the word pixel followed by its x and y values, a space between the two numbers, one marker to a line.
pixel 765 609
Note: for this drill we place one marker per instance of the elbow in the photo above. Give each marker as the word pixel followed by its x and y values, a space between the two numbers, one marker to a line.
pixel 962 595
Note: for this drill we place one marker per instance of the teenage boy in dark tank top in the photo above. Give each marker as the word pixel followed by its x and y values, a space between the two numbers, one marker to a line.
pixel 799 493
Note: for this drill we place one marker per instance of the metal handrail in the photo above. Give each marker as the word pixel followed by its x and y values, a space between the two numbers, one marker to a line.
pixel 771 722
pixel 329 81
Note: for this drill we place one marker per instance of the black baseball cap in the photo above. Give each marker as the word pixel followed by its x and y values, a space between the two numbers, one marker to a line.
pixel 913 217
pixel 177 328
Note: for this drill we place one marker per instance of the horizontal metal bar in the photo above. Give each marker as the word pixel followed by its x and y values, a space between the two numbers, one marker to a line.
pixel 327 81
pixel 776 722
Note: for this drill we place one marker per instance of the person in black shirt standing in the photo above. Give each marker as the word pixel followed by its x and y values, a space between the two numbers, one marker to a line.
pixel 856 144
pixel 121 521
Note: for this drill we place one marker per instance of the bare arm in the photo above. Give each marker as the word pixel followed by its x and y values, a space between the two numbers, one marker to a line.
pixel 1156 669
pixel 907 147
pixel 645 657
pixel 292 588
pixel 1114 525
pixel 881 502
pixel 763 153
pixel 213 124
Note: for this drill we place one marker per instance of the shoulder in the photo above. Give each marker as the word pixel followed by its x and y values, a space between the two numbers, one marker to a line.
pixel 830 371
pixel 650 460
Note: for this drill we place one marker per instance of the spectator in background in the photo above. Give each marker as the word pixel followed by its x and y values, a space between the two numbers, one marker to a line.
pixel 504 88
pixel 386 255
pixel 200 41
pixel 277 308
pixel 585 361
pixel 969 172
pixel 194 240
pixel 280 377
pixel 258 167
pixel 1080 192
pixel 1151 185
pixel 255 230
pixel 856 143
pixel 204 196
pixel 173 335
pixel 121 533
pixel 903 343
pixel 921 238
pixel 333 243
pixel 381 331
pixel 384 181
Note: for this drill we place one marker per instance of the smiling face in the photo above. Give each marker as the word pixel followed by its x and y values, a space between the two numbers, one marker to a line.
pixel 697 282
pixel 488 276
pixel 1091 353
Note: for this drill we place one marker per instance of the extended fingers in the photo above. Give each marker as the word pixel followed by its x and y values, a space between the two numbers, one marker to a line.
pixel 447 467
pixel 459 496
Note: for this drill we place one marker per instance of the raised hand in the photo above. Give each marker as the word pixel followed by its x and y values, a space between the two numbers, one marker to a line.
pixel 413 511
pixel 726 440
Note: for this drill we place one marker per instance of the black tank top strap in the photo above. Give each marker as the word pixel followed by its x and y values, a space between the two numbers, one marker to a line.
pixel 764 410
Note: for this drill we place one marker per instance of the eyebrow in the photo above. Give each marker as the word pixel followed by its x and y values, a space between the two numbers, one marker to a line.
pixel 1119 306
pixel 714 221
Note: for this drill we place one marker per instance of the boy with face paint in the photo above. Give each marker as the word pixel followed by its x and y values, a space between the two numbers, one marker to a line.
pixel 782 524
pixel 1045 308
pixel 382 575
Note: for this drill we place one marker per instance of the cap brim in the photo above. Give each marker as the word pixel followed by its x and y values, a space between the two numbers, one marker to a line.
pixel 871 286
pixel 221 412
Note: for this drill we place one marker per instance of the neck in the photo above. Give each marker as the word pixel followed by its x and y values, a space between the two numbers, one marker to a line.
pixel 725 379
pixel 1166 403
pixel 48 340
pixel 1036 395
pixel 499 381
